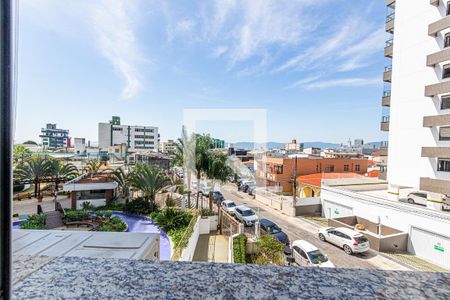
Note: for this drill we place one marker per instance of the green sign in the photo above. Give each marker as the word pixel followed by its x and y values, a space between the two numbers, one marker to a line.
pixel 439 248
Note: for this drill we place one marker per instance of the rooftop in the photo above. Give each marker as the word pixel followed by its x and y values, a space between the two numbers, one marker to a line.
pixel 89 278
pixel 316 179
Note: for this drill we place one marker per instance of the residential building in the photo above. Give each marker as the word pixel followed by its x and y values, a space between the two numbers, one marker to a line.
pixel 293 146
pixel 312 151
pixel 150 158
pixel 54 138
pixel 168 146
pixel 136 138
pixel 79 145
pixel 418 99
pixel 279 171
pixel 218 144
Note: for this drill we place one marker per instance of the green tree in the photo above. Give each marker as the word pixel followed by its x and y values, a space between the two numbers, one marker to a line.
pixel 20 154
pixel 218 171
pixel 29 142
pixel 124 180
pixel 270 250
pixel 36 168
pixel 203 144
pixel 59 169
pixel 184 157
pixel 171 219
pixel 149 181
pixel 93 166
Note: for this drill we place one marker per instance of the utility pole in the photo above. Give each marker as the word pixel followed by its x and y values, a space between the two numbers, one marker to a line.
pixel 6 140
pixel 294 198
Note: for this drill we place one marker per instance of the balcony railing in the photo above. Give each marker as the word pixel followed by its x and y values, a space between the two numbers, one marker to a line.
pixel 384 126
pixel 386 99
pixel 387 75
pixel 389 48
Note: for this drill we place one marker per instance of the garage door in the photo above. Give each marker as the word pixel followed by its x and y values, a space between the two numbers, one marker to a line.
pixel 430 246
pixel 333 210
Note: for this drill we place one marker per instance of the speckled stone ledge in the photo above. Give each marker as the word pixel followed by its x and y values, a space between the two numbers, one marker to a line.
pixel 99 278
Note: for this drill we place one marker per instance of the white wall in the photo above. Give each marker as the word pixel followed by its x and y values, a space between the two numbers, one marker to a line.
pixel 94 202
pixel 410 75
pixel 394 214
pixel 188 252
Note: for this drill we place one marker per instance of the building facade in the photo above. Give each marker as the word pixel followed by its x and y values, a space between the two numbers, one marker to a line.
pixel 168 146
pixel 293 146
pixel 136 138
pixel 54 138
pixel 417 103
pixel 279 172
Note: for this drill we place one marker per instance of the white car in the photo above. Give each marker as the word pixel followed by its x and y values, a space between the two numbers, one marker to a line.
pixel 349 240
pixel 246 215
pixel 417 198
pixel 229 206
pixel 306 254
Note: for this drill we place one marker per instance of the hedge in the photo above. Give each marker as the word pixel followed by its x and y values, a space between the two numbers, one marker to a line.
pixel 239 245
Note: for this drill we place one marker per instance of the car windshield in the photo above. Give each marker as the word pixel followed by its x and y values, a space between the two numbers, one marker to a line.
pixel 317 257
pixel 273 229
pixel 231 204
pixel 247 212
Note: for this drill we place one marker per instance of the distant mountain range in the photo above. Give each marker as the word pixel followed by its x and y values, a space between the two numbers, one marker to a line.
pixel 276 145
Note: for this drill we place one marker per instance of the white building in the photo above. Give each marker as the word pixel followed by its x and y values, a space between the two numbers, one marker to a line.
pixel 166 147
pixel 137 138
pixel 294 146
pixel 419 98
pixel 79 145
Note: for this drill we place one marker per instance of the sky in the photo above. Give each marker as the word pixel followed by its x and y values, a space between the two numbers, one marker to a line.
pixel 315 67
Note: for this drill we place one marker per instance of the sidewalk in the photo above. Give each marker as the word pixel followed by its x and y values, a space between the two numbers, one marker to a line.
pixel 29 207
pixel 211 248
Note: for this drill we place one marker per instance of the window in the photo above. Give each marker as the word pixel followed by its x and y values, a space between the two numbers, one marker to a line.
pixel 117 129
pixel 445 102
pixel 444 133
pixel 444 165
pixel 346 168
pixel 329 168
pixel 448 8
pixel 446 71
pixel 303 254
pixel 447 40
pixel 278 169
pixel 357 168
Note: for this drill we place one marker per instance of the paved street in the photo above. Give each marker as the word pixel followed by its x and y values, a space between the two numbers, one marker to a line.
pixel 299 229
pixel 29 206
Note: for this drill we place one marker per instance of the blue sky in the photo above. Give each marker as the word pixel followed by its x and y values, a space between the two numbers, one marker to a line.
pixel 316 66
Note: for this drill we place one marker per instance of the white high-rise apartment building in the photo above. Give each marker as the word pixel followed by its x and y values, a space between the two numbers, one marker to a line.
pixel 137 138
pixel 418 100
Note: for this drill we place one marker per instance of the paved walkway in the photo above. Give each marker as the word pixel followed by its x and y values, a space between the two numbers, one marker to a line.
pixel 29 207
pixel 211 248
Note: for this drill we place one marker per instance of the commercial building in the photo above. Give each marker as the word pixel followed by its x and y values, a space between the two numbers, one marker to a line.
pixel 150 158
pixel 278 172
pixel 417 103
pixel 79 145
pixel 54 138
pixel 218 144
pixel 136 138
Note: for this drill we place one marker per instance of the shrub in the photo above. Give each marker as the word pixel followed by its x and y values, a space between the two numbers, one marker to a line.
pixel 71 215
pixel 270 251
pixel 86 205
pixel 36 221
pixel 103 213
pixel 172 219
pixel 112 207
pixel 206 212
pixel 170 202
pixel 239 245
pixel 115 224
pixel 138 206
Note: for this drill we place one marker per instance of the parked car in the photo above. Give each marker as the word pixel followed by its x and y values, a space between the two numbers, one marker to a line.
pixel 229 206
pixel 251 190
pixel 205 188
pixel 306 254
pixel 244 184
pixel 218 197
pixel 269 227
pixel 417 198
pixel 349 240
pixel 21 196
pixel 246 215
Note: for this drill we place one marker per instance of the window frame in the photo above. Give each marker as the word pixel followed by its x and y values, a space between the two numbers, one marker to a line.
pixel 446 165
pixel 446 71
pixel 445 99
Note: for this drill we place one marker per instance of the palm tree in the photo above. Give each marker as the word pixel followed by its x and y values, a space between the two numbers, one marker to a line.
pixel 34 169
pixel 93 166
pixel 124 181
pixel 59 169
pixel 149 181
pixel 218 170
pixel 203 144
pixel 184 157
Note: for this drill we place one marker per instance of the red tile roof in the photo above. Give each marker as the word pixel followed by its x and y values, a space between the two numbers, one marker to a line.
pixel 316 179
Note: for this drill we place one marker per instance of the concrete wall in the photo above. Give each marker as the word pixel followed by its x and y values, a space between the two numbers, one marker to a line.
pixel 188 252
pixel 94 202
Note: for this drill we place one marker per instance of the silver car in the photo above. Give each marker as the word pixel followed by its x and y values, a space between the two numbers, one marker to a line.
pixel 246 215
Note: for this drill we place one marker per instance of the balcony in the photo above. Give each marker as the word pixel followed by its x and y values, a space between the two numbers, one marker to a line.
pixel 389 27
pixel 386 99
pixel 436 27
pixel 385 123
pixel 387 74
pixel 435 121
pixel 437 89
pixel 435 185
pixel 389 48
pixel 434 2
pixel 438 57
pixel 436 152
pixel 384 146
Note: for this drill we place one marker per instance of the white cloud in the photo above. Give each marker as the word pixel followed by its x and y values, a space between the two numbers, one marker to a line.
pixel 219 51
pixel 345 82
pixel 116 40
